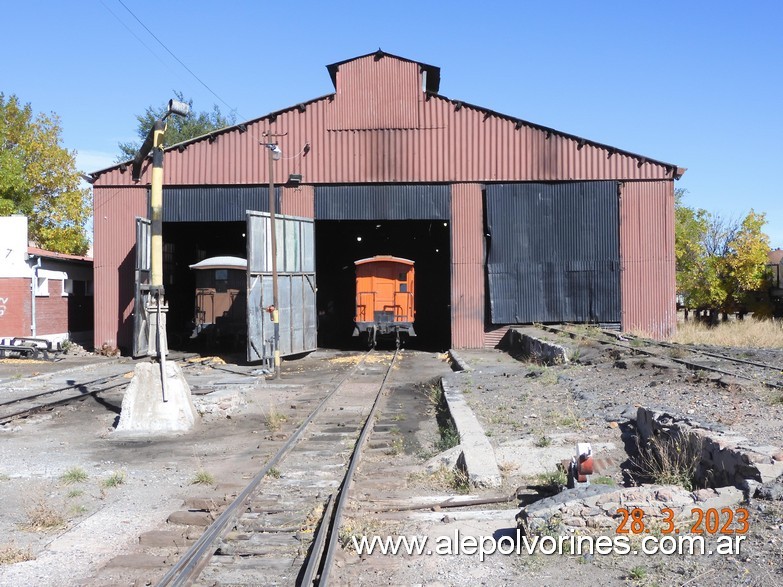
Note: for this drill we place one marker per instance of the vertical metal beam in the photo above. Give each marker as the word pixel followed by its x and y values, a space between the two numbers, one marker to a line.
pixel 156 205
pixel 273 235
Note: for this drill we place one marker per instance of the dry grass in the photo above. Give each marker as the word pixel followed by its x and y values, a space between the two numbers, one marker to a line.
pixel 357 528
pixel 11 554
pixel 452 479
pixel 748 333
pixel 42 516
pixel 670 461
pixel 202 477
pixel 274 420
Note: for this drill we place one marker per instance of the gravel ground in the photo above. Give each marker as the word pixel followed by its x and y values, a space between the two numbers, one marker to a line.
pixel 524 406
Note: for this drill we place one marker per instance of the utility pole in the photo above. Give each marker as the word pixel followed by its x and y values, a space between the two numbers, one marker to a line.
pixel 274 154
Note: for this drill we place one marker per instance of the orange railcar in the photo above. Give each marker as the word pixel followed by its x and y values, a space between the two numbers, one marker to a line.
pixel 384 298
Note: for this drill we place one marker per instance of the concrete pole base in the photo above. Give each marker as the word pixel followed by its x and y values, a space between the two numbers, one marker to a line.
pixel 143 410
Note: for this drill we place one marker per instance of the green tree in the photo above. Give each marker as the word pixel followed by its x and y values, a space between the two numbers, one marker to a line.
pixel 178 128
pixel 720 263
pixel 38 178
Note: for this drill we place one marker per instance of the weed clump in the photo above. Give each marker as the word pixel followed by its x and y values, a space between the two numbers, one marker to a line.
pixel 116 479
pixel 203 477
pixel 670 459
pixel 43 516
pixel 11 554
pixel 74 475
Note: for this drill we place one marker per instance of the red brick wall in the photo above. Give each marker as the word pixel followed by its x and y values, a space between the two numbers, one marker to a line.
pixel 51 313
pixel 14 306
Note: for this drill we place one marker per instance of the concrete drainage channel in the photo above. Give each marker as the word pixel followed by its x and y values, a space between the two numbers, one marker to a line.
pixel 728 468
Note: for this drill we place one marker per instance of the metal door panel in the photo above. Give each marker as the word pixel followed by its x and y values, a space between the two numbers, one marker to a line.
pixel 553 253
pixel 295 283
pixel 141 293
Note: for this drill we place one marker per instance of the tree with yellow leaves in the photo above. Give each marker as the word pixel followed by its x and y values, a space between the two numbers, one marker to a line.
pixel 721 264
pixel 38 178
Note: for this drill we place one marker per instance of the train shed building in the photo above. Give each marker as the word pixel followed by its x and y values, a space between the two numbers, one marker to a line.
pixel 508 222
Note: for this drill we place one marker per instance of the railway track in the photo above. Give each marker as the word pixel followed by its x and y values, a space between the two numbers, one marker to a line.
pixel 282 528
pixel 696 359
pixel 26 397
pixel 27 405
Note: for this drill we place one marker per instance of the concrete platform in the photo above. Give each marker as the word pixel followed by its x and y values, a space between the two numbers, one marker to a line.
pixel 478 456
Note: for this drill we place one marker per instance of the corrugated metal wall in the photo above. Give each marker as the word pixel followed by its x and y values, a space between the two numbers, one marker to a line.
pixel 215 203
pixel 467 266
pixel 382 202
pixel 554 252
pixel 453 143
pixel 374 84
pixel 647 258
pixel 407 137
pixel 115 239
pixel 298 201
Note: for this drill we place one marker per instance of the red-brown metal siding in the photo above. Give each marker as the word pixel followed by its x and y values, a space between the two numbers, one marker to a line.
pixel 298 201
pixel 647 258
pixel 411 137
pixel 452 143
pixel 374 83
pixel 114 260
pixel 467 266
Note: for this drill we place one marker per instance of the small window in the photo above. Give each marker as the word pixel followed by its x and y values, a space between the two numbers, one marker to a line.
pixel 67 287
pixel 401 277
pixel 42 286
pixel 404 288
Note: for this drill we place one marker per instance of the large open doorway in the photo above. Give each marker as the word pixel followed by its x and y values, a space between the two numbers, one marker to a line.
pixel 341 242
pixel 186 243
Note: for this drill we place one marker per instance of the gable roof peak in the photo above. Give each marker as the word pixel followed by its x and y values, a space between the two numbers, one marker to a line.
pixel 433 72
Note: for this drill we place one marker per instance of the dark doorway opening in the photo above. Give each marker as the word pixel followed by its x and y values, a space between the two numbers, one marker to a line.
pixel 341 242
pixel 186 243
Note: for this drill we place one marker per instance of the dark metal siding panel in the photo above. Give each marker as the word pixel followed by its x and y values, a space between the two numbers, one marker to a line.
pixel 554 252
pixel 467 266
pixel 115 210
pixel 647 258
pixel 214 203
pixel 385 202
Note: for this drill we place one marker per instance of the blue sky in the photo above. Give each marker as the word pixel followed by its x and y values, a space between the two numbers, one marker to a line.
pixel 696 84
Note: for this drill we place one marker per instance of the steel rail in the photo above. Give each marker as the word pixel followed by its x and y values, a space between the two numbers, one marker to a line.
pixel 5 418
pixel 327 558
pixel 688 364
pixel 189 565
pixel 713 355
pixel 53 391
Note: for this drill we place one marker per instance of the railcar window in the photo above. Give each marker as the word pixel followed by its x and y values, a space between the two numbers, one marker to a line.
pixel 401 277
pixel 403 288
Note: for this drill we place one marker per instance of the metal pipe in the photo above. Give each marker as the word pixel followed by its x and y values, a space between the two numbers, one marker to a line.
pixel 156 206
pixel 273 236
pixel 33 290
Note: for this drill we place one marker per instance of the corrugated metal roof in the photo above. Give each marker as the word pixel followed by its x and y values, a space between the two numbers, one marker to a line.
pixel 382 202
pixel 554 252
pixel 452 142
